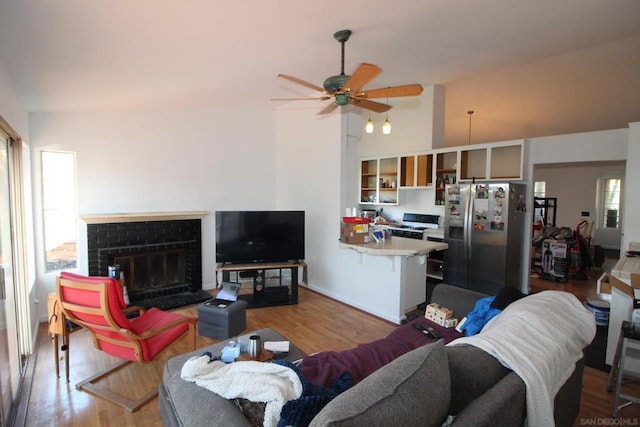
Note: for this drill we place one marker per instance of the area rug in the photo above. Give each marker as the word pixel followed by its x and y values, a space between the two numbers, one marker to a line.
pixel 596 352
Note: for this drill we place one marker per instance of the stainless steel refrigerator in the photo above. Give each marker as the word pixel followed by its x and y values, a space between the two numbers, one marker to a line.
pixel 484 227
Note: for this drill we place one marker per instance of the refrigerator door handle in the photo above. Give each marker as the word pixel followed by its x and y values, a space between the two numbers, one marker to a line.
pixel 469 220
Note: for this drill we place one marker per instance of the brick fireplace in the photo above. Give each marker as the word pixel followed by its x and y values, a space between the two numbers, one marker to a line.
pixel 160 254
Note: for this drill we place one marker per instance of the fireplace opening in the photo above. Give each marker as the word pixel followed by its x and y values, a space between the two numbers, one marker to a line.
pixel 151 270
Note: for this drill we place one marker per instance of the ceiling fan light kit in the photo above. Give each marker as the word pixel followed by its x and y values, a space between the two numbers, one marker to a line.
pixel 346 89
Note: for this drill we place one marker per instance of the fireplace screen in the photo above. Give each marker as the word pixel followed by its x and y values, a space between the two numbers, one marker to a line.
pixel 143 271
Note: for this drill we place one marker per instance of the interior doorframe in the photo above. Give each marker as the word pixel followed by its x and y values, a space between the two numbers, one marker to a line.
pixel 600 226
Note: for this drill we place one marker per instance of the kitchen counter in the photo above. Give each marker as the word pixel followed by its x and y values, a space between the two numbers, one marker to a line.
pixel 389 278
pixel 623 289
pixel 397 246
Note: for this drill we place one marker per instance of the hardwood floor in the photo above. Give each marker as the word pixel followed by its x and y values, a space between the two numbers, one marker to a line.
pixel 315 324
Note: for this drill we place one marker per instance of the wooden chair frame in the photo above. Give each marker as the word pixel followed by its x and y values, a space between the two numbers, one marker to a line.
pixel 132 340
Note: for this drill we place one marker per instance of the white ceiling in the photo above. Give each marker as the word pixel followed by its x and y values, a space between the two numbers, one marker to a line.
pixel 527 68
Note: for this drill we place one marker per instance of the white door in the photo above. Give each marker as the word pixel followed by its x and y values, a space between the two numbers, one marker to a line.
pixel 608 233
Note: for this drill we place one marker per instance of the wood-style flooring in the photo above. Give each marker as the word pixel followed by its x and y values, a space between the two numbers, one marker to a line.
pixel 317 323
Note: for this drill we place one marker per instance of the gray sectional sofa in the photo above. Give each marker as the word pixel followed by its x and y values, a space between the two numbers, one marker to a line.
pixel 433 384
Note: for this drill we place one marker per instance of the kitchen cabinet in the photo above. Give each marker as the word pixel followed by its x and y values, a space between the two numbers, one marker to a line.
pixel 435 169
pixel 446 172
pixel 379 181
pixel 473 164
pixel 416 171
pixel 505 161
pixel 494 161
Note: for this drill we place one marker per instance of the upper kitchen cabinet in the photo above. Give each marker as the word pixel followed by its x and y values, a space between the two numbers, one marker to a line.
pixel 445 172
pixel 506 160
pixel 379 181
pixel 473 164
pixel 416 171
pixel 493 161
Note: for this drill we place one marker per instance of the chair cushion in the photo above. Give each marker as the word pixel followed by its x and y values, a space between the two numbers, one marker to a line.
pixel 114 286
pixel 388 396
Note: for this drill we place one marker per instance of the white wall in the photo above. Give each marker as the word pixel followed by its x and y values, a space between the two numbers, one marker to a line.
pixel 417 124
pixel 631 226
pixel 161 162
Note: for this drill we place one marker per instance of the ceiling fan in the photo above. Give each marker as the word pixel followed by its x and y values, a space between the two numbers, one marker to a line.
pixel 345 89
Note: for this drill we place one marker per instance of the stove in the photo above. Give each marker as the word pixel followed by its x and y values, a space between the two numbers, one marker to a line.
pixel 413 225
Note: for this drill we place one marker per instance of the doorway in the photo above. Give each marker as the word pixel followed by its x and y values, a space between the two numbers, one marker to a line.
pixel 579 190
pixel 610 203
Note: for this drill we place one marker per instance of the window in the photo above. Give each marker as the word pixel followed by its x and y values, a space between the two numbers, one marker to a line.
pixel 59 206
pixel 611 203
pixel 539 188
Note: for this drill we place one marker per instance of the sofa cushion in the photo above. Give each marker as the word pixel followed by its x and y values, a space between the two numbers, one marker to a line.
pixel 473 372
pixel 390 393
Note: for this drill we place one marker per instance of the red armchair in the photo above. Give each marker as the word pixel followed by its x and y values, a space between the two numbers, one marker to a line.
pixel 97 304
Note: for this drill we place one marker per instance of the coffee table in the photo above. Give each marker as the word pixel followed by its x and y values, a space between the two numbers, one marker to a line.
pixel 184 403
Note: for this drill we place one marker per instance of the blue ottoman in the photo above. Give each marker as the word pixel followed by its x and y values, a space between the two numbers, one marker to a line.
pixel 222 319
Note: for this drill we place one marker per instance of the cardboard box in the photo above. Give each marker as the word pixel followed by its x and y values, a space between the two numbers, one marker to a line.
pixel 354 233
pixel 555 260
pixel 632 289
pixel 438 314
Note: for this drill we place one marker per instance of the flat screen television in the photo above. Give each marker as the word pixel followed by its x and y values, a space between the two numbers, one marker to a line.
pixel 259 236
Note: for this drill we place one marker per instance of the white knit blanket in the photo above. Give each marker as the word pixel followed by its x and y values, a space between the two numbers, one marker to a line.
pixel 540 338
pixel 255 381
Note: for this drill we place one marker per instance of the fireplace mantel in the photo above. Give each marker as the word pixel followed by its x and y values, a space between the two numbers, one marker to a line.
pixel 141 217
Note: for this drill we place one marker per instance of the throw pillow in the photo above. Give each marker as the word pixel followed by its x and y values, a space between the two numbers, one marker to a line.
pixel 412 390
pixel 505 297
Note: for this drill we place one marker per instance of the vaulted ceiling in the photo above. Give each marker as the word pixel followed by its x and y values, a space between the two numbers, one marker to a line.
pixel 527 69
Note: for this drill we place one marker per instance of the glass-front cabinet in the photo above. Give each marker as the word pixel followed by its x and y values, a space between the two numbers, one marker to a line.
pixel 379 181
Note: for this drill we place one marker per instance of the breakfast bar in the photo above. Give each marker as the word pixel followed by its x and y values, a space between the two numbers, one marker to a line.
pixel 395 271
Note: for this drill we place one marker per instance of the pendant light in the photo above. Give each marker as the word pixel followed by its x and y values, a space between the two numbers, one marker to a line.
pixel 470 112
pixel 386 127
pixel 368 128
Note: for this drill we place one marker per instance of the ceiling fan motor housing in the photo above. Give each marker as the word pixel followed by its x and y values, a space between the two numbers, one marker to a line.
pixel 335 83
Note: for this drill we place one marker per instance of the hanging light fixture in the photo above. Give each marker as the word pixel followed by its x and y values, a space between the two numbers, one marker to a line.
pixel 368 128
pixel 470 112
pixel 386 127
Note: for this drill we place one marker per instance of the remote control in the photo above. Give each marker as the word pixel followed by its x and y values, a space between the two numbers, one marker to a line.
pixel 433 332
pixel 427 330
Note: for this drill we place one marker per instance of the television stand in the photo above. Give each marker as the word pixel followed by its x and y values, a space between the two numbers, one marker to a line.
pixel 264 295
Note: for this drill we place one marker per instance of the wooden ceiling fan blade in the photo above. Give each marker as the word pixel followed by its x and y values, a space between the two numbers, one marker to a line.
pixel 391 92
pixel 301 82
pixel 363 75
pixel 329 108
pixel 377 107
